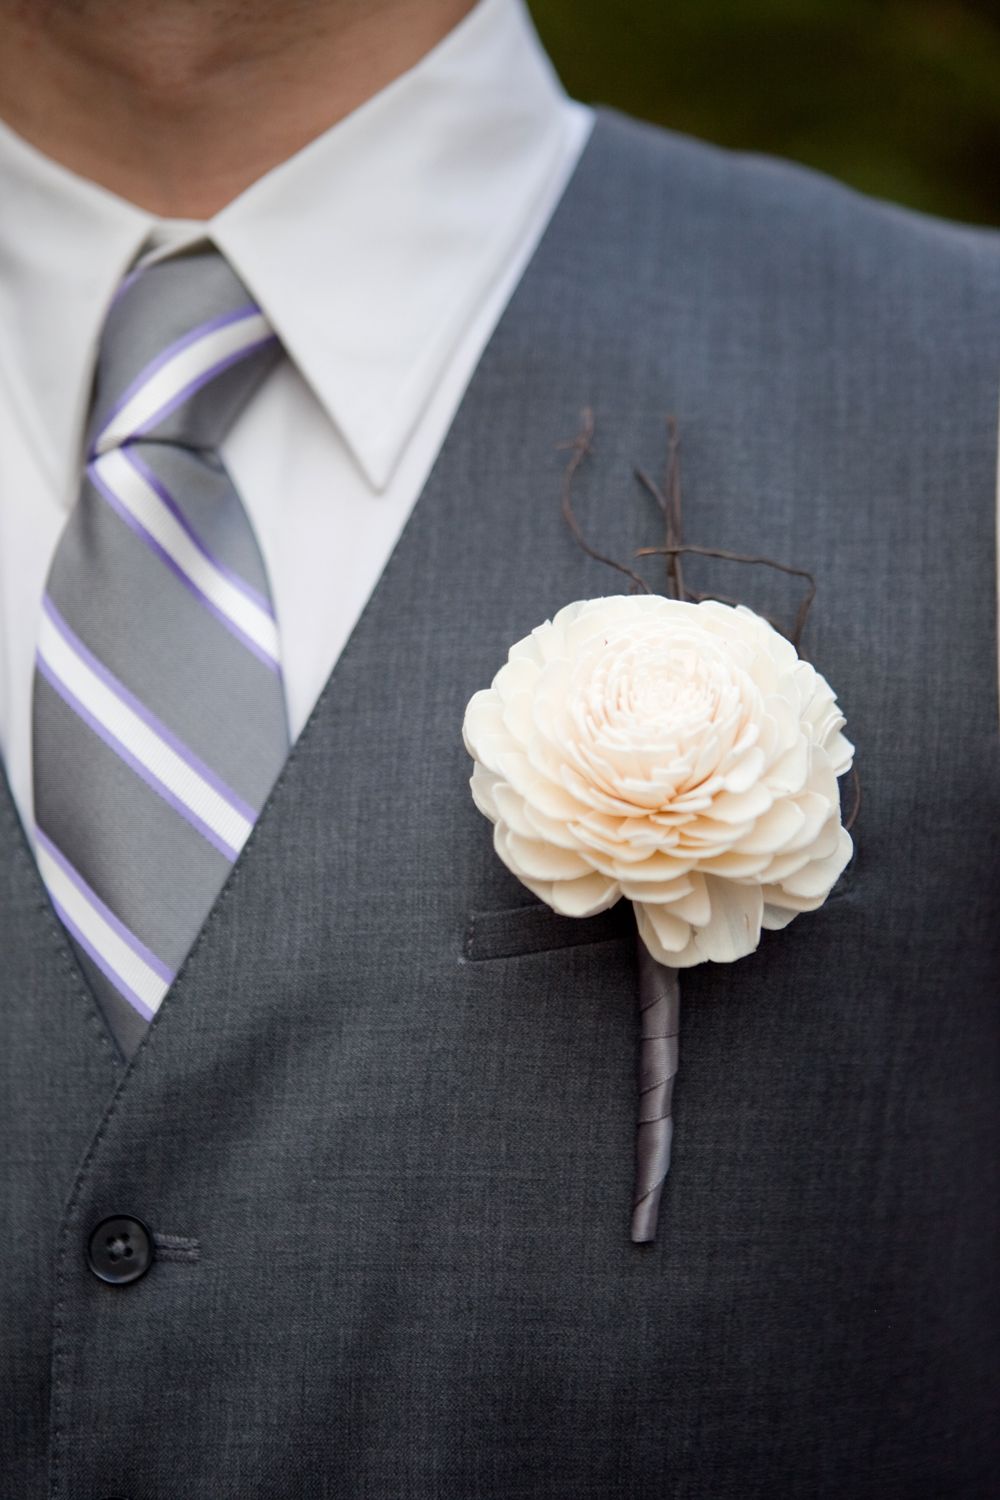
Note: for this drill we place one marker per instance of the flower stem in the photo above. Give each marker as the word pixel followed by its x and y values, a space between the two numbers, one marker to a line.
pixel 659 1017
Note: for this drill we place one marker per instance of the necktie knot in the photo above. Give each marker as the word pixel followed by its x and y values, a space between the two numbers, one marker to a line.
pixel 184 347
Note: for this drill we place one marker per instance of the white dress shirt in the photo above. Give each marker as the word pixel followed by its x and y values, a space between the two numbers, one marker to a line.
pixel 383 253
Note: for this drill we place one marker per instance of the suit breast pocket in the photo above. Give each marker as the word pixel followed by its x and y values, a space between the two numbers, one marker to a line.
pixel 522 930
pixel 518 931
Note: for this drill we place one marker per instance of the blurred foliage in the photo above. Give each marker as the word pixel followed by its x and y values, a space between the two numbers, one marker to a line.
pixel 900 98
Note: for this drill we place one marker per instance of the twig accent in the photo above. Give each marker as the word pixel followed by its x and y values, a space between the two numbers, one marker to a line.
pixel 768 562
pixel 669 501
pixel 582 446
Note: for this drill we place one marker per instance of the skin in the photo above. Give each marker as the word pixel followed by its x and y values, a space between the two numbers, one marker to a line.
pixel 179 105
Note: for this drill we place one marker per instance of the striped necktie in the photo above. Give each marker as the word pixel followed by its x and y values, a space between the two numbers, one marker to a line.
pixel 159 720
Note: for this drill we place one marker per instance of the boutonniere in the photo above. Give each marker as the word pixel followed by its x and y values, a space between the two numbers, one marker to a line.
pixel 681 755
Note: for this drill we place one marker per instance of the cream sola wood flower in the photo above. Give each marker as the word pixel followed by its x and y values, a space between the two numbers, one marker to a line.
pixel 680 755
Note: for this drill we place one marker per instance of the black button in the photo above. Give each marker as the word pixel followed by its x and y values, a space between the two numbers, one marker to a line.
pixel 120 1250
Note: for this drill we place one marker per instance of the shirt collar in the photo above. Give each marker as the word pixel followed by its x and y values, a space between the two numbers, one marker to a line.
pixel 370 250
pixel 64 246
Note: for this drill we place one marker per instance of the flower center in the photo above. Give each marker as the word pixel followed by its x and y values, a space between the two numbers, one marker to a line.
pixel 652 714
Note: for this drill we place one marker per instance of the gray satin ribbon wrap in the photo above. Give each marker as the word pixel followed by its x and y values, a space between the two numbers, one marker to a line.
pixel 659 1016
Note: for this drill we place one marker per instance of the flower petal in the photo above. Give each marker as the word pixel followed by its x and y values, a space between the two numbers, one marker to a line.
pixel 540 861
pixel 696 906
pixel 510 806
pixel 817 878
pixel 520 675
pixel 775 917
pixel 585 897
pixel 789 773
pixel 735 864
pixel 669 933
pixel 734 929
pixel 746 771
pixel 483 720
pixel 666 893
pixel 483 784
pixel 742 807
pixel 775 829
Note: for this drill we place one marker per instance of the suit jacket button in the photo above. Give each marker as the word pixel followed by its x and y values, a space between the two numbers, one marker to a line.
pixel 120 1251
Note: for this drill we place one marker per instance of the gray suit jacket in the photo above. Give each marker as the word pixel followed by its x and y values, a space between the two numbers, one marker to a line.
pixel 382 1127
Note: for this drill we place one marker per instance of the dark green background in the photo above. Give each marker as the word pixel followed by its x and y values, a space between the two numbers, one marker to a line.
pixel 900 98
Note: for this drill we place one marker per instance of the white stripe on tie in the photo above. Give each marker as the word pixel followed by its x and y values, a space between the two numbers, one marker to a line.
pixel 115 952
pixel 140 740
pixel 139 498
pixel 183 369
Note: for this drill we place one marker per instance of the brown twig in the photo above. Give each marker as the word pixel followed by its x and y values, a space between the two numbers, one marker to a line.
pixel 674 587
pixel 582 445
pixel 675 513
pixel 668 499
pixel 654 489
pixel 739 557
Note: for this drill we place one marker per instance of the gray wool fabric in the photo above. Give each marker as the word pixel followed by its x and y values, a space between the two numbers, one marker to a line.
pixel 383 1125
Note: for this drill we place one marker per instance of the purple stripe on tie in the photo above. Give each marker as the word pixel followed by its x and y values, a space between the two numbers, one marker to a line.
pixel 121 691
pixel 125 755
pixel 134 524
pixel 196 384
pixel 125 933
pixel 250 310
pixel 156 483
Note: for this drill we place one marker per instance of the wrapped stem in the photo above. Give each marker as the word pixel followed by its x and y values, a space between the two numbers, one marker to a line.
pixel 659 1019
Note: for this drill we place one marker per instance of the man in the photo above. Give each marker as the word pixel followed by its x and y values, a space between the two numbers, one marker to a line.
pixel 317 1133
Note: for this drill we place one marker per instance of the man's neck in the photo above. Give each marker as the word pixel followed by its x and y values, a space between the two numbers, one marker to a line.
pixel 179 105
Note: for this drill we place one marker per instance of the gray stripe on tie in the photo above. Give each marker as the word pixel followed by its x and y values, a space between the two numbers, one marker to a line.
pixel 156 641
pixel 164 876
pixel 196 486
pixel 161 306
pixel 197 426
